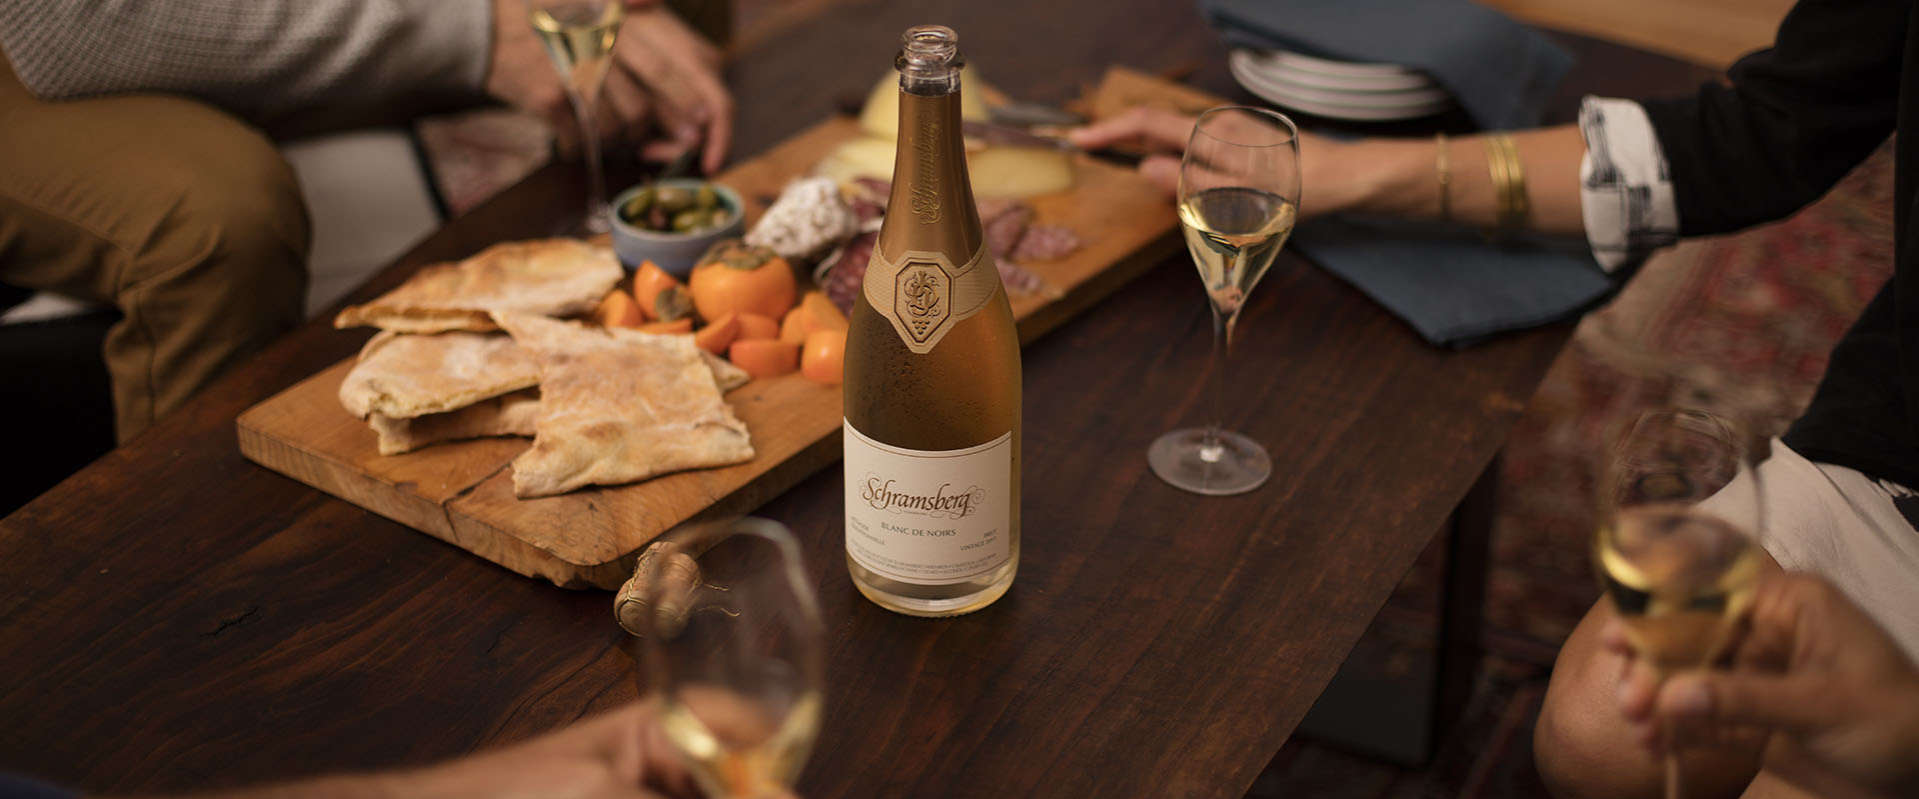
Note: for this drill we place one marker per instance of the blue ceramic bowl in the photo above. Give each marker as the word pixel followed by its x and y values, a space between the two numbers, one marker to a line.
pixel 673 252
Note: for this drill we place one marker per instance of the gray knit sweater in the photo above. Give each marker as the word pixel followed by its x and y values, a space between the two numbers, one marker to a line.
pixel 277 63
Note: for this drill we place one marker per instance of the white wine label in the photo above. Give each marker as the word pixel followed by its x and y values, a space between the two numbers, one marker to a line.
pixel 928 517
pixel 924 295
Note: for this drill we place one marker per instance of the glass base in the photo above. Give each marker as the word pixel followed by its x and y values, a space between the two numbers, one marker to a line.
pixel 581 227
pixel 1234 465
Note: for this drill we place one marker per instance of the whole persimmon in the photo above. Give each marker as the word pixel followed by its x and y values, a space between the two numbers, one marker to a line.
pixel 735 277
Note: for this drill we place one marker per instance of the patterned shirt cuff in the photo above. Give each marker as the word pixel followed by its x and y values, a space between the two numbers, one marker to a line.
pixel 1625 188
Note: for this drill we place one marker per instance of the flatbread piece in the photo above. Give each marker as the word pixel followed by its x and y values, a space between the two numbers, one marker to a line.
pixel 618 406
pixel 509 415
pixel 549 277
pixel 405 376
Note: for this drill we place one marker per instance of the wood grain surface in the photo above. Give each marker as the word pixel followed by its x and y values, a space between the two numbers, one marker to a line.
pixel 175 617
pixel 462 492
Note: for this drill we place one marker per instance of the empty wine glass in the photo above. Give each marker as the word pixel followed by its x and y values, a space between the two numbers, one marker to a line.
pixel 579 36
pixel 729 640
pixel 1238 196
pixel 1677 551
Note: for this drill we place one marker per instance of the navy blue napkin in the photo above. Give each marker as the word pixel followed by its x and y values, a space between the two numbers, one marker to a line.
pixel 1500 71
pixel 1449 283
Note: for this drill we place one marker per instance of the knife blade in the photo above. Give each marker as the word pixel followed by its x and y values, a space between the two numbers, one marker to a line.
pixel 994 134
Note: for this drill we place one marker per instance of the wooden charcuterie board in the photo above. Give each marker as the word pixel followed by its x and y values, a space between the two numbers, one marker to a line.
pixel 463 492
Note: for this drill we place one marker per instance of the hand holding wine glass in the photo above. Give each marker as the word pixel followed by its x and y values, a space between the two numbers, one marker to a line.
pixel 1238 198
pixel 1680 508
pixel 729 641
pixel 1811 674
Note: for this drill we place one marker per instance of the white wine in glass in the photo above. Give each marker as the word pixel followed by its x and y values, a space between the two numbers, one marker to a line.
pixel 1677 552
pixel 1238 199
pixel 1234 234
pixel 579 37
pixel 1679 579
pixel 729 638
pixel 733 747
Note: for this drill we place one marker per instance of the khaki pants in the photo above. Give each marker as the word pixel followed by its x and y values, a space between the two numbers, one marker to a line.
pixel 180 216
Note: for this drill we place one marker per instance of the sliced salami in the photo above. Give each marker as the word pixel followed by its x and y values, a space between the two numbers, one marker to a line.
pixel 843 278
pixel 1018 279
pixel 1005 229
pixel 1046 243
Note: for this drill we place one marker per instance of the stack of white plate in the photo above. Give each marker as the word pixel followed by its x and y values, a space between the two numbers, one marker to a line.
pixel 1338 89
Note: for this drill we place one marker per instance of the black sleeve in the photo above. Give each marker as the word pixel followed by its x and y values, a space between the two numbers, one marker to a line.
pixel 1795 119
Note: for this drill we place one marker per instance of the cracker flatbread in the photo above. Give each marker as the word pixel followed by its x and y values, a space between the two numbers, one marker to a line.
pixel 549 277
pixel 725 374
pixel 509 415
pixel 404 376
pixel 618 406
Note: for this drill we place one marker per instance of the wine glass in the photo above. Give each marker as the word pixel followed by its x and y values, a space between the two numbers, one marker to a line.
pixel 1238 196
pixel 579 36
pixel 729 639
pixel 1677 550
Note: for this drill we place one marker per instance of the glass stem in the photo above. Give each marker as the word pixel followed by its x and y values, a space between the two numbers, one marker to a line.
pixel 1223 323
pixel 584 107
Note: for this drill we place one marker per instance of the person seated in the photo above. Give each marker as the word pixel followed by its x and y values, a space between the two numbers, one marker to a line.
pixel 136 168
pixel 1635 176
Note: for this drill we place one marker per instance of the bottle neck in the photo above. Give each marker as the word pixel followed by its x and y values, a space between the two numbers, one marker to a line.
pixel 931 204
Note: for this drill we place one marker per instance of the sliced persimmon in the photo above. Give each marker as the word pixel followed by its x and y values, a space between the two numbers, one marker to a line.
pixel 683 324
pixel 719 334
pixel 765 357
pixel 823 357
pixel 754 326
pixel 649 283
pixel 618 309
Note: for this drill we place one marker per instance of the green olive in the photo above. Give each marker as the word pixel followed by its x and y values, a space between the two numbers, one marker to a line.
pixel 689 219
pixel 636 207
pixel 675 199
pixel 705 198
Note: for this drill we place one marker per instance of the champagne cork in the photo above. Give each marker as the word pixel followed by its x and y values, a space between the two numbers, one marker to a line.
pixel 663 583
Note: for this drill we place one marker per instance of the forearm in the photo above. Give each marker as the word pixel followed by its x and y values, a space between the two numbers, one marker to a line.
pixel 353 786
pixel 1400 177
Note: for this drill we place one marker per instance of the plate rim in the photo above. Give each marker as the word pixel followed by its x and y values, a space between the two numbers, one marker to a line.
pixel 1338 111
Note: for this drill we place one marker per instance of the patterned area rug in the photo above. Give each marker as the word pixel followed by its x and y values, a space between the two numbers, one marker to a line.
pixel 1741 324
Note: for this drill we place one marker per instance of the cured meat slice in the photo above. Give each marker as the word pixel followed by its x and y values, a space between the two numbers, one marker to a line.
pixel 1046 243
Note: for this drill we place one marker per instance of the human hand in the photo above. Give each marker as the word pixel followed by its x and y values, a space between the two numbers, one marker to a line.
pixel 680 70
pixel 621 754
pixel 1830 694
pixel 616 755
pixel 664 79
pixel 1162 134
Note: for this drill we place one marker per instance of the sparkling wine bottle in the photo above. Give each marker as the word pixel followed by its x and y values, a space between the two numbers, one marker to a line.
pixel 932 388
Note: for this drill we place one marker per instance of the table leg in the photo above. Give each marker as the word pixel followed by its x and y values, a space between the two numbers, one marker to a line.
pixel 1463 601
pixel 1398 716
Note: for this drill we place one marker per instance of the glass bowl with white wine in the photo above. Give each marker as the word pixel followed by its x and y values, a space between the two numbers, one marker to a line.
pixel 1681 509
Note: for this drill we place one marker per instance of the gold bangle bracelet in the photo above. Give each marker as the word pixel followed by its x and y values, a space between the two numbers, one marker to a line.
pixel 1520 205
pixel 1509 182
pixel 1443 165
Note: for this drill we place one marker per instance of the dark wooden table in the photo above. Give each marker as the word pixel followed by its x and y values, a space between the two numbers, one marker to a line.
pixel 176 617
